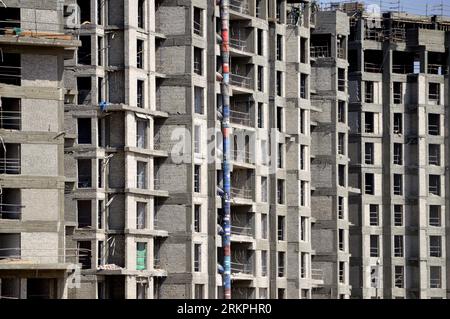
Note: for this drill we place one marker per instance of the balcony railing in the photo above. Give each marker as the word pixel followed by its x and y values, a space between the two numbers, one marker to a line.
pixel 398 98
pixel 435 282
pixel 238 43
pixel 242 230
pixel 402 69
pixel 10 211
pixel 433 129
pixel 437 69
pixel 341 53
pixel 197 28
pixel 10 166
pixel 434 97
pixel 241 118
pixel 240 6
pixel 241 193
pixel 372 67
pixel 342 84
pixel 10 74
pixel 10 120
pixel 240 80
pixel 241 156
pixel 84 97
pixel 374 252
pixel 237 267
pixel 320 52
pixel 435 251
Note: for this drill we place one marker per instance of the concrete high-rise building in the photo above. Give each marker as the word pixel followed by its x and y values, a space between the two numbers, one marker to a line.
pixel 33 47
pixel 111 153
pixel 330 158
pixel 398 146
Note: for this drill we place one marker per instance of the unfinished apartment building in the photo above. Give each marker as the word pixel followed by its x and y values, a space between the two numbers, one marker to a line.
pixel 33 47
pixel 398 85
pixel 330 158
pixel 143 204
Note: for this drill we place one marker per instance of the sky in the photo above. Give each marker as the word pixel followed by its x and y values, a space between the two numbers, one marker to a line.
pixel 435 7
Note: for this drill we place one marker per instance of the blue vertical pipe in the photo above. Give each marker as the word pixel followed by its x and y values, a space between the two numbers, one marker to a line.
pixel 226 131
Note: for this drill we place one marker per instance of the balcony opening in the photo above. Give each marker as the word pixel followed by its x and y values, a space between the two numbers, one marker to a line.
pixel 141 175
pixel 342 80
pixel 140 94
pixel 264 226
pixel 9 20
pixel 303 265
pixel 238 37
pixel 374 246
pixel 320 46
pixel 279 47
pixel 198 100
pixel 198 61
pixel 341 143
pixel 398 215
pixel 281 226
pixel 303 157
pixel 10 158
pixel 84 130
pixel 437 63
pixel 139 54
pixel 100 51
pixel 303 86
pixel 435 246
pixel 260 78
pixel 434 154
pixel 398 154
pixel 141 133
pixel 434 124
pixel 369 153
pixel 399 276
pixel 264 190
pixel 398 123
pixel 260 42
pixel 240 74
pixel 280 155
pixel 10 287
pixel 303 50
pixel 10 246
pixel 84 213
pixel 341 207
pixel 398 184
pixel 303 193
pixel 10 114
pixel 279 83
pixel 341 47
pixel 197 139
pixel 100 97
pixel 369 94
pixel 434 93
pixel 10 69
pixel 353 61
pixel 260 115
pixel 197 218
pixel 435 277
pixel 369 118
pixel 342 118
pixel 141 14
pixel 373 61
pixel 84 173
pixel 369 183
pixel 240 112
pixel 341 177
pixel 303 228
pixel 197 180
pixel 281 263
pixel 84 52
pixel 374 215
pixel 263 263
pixel 84 87
pixel 434 218
pixel 85 10
pixel 280 191
pixel 398 93
pixel 405 63
pixel 141 256
pixel 341 272
pixel 10 204
pixel 84 254
pixel 341 242
pixel 398 246
pixel 141 215
pixel 197 21
pixel 197 257
pixel 434 185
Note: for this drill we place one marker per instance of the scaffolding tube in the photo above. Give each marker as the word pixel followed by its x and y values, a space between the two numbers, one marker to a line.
pixel 226 130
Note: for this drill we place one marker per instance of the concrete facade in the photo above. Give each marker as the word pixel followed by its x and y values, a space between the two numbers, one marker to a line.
pixel 33 263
